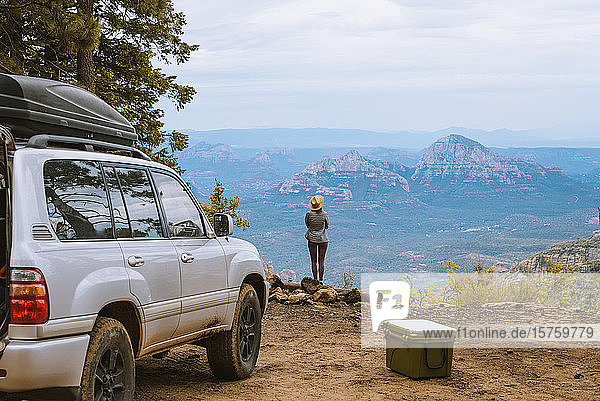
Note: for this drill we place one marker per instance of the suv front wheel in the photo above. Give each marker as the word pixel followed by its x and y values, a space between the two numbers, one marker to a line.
pixel 109 370
pixel 232 355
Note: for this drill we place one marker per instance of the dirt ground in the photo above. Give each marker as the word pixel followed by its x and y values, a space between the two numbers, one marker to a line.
pixel 314 353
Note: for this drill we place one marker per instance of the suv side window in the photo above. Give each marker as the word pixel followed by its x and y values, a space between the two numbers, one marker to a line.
pixel 182 214
pixel 140 202
pixel 76 200
pixel 122 227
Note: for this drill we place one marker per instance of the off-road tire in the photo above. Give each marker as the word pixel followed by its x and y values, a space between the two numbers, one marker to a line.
pixel 109 352
pixel 223 350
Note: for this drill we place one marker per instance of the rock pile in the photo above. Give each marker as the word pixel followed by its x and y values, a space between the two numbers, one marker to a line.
pixel 309 291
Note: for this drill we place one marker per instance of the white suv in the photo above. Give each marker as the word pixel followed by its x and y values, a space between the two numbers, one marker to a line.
pixel 110 258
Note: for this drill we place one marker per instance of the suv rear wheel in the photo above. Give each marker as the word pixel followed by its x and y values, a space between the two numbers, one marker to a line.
pixel 109 370
pixel 232 355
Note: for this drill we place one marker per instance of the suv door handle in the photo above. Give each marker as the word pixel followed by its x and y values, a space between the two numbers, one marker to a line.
pixel 187 257
pixel 135 261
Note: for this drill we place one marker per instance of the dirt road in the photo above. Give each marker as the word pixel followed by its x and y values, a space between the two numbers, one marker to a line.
pixel 315 353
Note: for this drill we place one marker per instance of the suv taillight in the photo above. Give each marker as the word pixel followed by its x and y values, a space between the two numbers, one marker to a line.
pixel 28 297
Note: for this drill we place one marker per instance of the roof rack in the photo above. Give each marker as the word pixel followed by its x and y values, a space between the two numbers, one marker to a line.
pixel 90 145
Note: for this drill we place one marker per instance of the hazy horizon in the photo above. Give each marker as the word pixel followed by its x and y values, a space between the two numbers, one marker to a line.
pixel 320 137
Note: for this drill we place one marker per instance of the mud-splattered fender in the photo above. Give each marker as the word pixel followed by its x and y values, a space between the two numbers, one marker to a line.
pixel 243 262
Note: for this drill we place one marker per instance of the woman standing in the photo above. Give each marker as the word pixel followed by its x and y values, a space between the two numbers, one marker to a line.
pixel 317 222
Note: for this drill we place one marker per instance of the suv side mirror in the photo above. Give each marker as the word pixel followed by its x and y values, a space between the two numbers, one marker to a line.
pixel 223 224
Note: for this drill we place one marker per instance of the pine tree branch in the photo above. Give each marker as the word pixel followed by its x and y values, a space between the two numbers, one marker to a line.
pixel 5 69
pixel 23 5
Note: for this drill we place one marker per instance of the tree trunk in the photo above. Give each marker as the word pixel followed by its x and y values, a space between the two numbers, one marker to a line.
pixel 81 224
pixel 85 57
pixel 50 60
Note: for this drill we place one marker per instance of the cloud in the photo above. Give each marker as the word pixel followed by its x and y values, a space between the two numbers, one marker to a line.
pixel 261 50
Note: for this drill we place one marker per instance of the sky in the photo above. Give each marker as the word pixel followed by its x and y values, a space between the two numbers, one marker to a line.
pixel 392 65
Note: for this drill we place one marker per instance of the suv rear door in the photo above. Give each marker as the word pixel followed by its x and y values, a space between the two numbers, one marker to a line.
pixel 201 257
pixel 150 257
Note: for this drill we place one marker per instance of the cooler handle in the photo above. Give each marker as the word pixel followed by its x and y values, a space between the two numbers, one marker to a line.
pixel 444 358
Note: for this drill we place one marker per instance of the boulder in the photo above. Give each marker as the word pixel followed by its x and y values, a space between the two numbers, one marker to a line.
pixel 274 281
pixel 310 285
pixel 298 298
pixel 276 290
pixel 325 294
pixel 290 287
pixel 352 296
pixel 281 298
pixel 278 295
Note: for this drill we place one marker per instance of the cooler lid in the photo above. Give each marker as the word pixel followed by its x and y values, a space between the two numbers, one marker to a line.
pixel 419 331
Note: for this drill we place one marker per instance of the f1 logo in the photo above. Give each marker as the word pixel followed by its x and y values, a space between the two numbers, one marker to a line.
pixel 389 300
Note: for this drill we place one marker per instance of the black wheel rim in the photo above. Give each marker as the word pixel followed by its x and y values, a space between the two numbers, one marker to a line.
pixel 247 335
pixel 109 382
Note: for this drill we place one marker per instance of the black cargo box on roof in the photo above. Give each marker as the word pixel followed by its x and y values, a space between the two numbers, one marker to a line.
pixel 31 106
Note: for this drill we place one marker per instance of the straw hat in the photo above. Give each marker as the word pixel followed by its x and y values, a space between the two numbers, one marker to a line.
pixel 316 202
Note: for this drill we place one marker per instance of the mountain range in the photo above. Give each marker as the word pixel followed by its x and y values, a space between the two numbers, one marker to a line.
pixel 453 167
pixel 450 201
pixel 205 162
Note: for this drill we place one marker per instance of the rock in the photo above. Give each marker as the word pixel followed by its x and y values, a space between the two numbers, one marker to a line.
pixel 352 296
pixel 274 291
pixel 325 294
pixel 281 298
pixel 274 281
pixel 290 287
pixel 298 298
pixel 278 295
pixel 310 285
pixel 504 305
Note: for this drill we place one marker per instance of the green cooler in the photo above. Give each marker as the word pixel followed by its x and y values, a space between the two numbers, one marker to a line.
pixel 419 348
